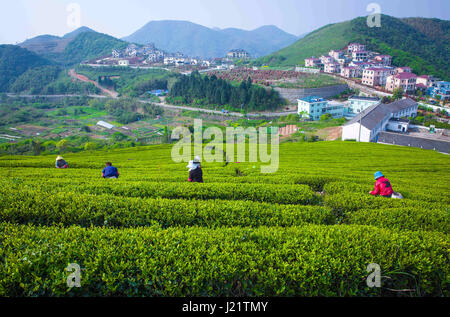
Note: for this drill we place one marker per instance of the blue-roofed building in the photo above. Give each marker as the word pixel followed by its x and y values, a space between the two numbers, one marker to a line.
pixel 313 108
pixel 158 92
pixel 440 88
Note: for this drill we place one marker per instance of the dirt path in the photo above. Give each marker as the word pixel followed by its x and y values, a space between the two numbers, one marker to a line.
pixel 83 78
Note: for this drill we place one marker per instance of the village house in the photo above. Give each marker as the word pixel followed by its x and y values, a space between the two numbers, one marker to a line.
pixel 336 54
pixel 376 76
pixel 332 67
pixel 360 56
pixel 441 89
pixel 425 80
pixel 355 47
pixel 406 81
pixel 399 70
pixel 326 59
pixel 350 72
pixel 239 53
pixel 385 60
pixel 312 62
pixel 366 126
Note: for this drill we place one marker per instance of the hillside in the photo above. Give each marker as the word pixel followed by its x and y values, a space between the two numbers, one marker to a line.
pixel 15 61
pixel 196 40
pixel 241 233
pixel 74 47
pixel 416 42
pixel 88 45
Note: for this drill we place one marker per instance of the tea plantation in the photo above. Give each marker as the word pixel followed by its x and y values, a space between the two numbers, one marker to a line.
pixel 311 229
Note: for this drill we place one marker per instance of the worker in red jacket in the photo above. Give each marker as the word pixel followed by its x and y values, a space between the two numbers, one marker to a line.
pixel 383 186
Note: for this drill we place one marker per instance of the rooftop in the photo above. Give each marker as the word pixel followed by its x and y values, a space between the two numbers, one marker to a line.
pixel 364 98
pixel 312 99
pixel 374 114
pixel 405 75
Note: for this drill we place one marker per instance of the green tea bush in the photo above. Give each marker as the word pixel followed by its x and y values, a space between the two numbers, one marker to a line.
pixel 312 260
pixel 37 207
pixel 403 218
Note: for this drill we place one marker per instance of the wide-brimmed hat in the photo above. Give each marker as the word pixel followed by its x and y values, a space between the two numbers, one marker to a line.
pixel 59 158
pixel 378 175
pixel 196 159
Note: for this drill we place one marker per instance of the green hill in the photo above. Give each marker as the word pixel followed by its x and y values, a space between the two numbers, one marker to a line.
pixel 88 45
pixel 422 44
pixel 15 61
pixel 152 233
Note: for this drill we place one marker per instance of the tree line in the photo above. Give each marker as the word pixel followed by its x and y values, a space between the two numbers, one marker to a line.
pixel 212 91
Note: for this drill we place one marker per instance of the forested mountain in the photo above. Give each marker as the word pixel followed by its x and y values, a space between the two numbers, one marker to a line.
pixel 197 40
pixel 14 61
pixel 420 43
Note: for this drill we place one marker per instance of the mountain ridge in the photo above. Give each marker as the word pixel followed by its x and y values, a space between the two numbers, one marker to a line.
pixel 197 40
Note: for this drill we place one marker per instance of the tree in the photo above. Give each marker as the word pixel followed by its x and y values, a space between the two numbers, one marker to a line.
pixel 62 145
pixel 397 93
pixel 36 146
pixel 326 117
pixel 90 146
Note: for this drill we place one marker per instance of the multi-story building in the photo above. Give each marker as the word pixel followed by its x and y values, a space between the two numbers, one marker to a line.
pixel 385 60
pixel 440 88
pixel 406 81
pixel 360 56
pixel 400 70
pixel 357 104
pixel 366 126
pixel 355 47
pixel 336 54
pixel 239 53
pixel 425 80
pixel 350 72
pixel 376 76
pixel 332 67
pixel 312 62
pixel 314 107
pixel 326 59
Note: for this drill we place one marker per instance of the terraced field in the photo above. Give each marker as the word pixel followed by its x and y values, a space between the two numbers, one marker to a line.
pixel 311 229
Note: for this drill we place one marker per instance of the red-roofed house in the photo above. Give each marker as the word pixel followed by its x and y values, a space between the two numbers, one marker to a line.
pixel 425 80
pixel 405 80
pixel 376 76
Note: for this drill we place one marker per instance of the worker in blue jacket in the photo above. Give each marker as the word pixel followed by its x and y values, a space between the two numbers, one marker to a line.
pixel 110 171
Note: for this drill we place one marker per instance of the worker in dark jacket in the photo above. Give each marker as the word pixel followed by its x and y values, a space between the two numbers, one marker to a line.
pixel 110 171
pixel 61 163
pixel 383 186
pixel 195 171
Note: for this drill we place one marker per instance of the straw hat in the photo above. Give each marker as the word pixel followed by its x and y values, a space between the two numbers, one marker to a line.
pixel 59 158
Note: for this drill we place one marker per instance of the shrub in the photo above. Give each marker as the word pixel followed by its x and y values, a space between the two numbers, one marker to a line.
pixel 312 260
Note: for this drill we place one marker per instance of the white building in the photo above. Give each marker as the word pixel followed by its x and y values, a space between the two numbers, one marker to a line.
pixel 357 104
pixel 366 126
pixel 314 107
pixel 104 124
pixel 124 62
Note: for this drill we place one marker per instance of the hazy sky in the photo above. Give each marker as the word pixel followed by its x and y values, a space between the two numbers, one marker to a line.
pixel 23 19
